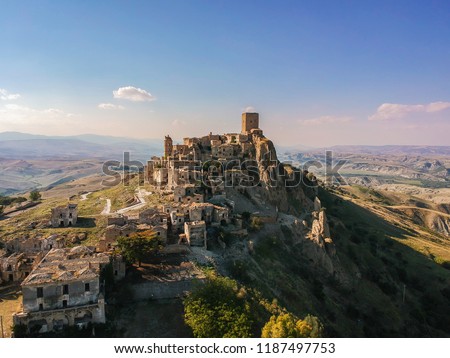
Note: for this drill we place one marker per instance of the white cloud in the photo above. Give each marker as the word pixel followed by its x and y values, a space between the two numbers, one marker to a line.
pixel 437 106
pixel 178 123
pixel 133 94
pixel 324 120
pixel 5 96
pixel 396 111
pixel 110 106
pixel 249 109
pixel 17 117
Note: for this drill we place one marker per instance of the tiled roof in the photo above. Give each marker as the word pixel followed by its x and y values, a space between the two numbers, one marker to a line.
pixel 63 265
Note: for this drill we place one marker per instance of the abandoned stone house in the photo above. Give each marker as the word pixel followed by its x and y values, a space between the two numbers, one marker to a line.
pixel 195 233
pixel 63 216
pixel 17 266
pixel 64 290
pixel 159 230
pixel 188 174
pixel 117 219
pixel 35 244
pixel 156 221
pixel 177 220
pixel 152 216
pixel 121 226
pixel 113 232
pixel 187 194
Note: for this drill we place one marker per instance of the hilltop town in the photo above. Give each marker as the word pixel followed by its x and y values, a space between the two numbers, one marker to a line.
pixel 221 202
pixel 207 185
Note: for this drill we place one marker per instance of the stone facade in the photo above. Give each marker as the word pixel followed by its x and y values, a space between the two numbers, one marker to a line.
pixel 64 290
pixel 117 219
pixel 35 244
pixel 16 267
pixel 64 216
pixel 249 121
pixel 195 232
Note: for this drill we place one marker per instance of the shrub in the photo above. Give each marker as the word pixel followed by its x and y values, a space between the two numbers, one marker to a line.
pixel 256 224
pixel 35 195
pixel 286 325
pixel 217 309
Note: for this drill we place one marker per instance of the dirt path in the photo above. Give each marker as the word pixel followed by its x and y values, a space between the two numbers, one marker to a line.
pixel 107 209
pixel 140 193
pixel 84 196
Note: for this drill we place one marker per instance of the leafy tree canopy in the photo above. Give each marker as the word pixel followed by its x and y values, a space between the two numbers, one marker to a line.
pixel 219 308
pixel 35 195
pixel 138 246
pixel 286 325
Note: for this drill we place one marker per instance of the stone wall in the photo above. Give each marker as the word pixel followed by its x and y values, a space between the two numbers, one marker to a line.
pixel 159 290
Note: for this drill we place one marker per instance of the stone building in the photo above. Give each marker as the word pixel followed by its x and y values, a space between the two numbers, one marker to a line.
pixel 177 220
pixel 187 194
pixel 249 121
pixel 201 212
pixel 64 290
pixel 220 214
pixel 195 232
pixel 64 216
pixel 34 244
pixel 15 267
pixel 117 219
pixel 112 233
pixel 168 146
pixel 152 216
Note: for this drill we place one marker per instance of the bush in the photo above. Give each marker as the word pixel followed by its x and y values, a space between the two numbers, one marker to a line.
pixel 35 195
pixel 256 224
pixel 218 309
pixel 138 246
pixel 286 325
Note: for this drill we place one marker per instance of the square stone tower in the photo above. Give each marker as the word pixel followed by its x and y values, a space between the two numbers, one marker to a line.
pixel 249 121
pixel 168 146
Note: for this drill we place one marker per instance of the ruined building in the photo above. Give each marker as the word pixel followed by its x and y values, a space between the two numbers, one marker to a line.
pixel 64 290
pixel 249 121
pixel 63 216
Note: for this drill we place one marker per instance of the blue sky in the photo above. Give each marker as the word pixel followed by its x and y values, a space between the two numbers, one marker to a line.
pixel 318 72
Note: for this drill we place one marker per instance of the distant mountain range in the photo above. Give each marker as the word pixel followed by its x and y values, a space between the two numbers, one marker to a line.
pixel 374 149
pixel 16 145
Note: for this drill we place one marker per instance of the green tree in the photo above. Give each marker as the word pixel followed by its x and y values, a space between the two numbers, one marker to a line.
pixel 218 308
pixel 138 246
pixel 35 195
pixel 286 325
pixel 1 210
pixel 256 224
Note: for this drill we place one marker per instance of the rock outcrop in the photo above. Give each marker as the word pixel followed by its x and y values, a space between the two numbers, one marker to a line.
pixel 281 185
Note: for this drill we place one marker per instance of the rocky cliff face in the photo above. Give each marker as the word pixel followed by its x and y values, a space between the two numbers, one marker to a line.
pixel 294 194
pixel 281 185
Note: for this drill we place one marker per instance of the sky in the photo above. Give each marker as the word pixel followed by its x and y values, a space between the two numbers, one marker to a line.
pixel 320 73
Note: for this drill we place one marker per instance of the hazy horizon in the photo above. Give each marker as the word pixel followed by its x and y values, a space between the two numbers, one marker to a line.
pixel 320 74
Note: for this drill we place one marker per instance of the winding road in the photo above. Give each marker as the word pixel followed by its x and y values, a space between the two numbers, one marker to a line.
pixel 140 195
